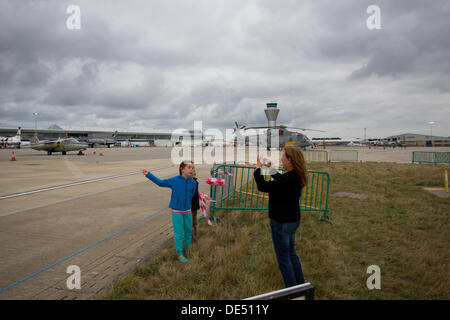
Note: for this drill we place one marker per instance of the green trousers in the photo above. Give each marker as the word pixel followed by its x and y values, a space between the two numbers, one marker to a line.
pixel 182 229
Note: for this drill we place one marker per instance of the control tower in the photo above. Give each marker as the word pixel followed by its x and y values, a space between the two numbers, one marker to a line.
pixel 271 114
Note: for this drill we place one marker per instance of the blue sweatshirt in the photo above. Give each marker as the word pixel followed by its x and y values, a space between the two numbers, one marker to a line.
pixel 182 190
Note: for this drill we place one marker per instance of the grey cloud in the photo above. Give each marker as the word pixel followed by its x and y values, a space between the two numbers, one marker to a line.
pixel 164 64
pixel 391 58
pixel 413 40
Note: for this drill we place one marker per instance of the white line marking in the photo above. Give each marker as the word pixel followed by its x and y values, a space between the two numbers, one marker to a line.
pixel 75 184
pixel 72 198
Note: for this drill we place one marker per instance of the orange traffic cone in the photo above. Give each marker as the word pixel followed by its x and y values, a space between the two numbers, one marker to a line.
pixel 13 158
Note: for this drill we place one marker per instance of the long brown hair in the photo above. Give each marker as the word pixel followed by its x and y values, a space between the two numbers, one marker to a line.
pixel 295 155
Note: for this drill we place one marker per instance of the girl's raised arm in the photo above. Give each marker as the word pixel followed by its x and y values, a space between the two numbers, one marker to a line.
pixel 160 182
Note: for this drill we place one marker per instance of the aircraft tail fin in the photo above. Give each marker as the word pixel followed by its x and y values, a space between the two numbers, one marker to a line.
pixel 19 132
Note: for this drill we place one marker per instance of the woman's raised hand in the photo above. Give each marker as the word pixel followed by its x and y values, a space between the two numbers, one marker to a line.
pixel 144 172
pixel 266 162
pixel 258 162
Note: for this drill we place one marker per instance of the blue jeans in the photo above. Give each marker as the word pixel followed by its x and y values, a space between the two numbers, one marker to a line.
pixel 283 237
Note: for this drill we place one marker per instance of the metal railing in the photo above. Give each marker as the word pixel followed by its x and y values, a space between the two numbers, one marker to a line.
pixel 241 193
pixel 299 292
pixel 315 156
pixel 343 155
pixel 430 157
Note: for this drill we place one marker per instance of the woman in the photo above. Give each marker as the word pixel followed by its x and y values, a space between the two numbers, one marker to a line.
pixel 284 210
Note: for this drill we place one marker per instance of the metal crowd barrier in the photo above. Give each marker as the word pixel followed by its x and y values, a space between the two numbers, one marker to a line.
pixel 241 193
pixel 343 155
pixel 315 155
pixel 300 292
pixel 430 157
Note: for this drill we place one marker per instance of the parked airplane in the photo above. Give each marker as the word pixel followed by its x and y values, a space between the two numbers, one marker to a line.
pixel 386 143
pixel 91 142
pixel 356 144
pixel 15 141
pixel 61 145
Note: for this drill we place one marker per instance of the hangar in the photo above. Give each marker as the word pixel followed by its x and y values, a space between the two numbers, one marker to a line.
pixel 421 140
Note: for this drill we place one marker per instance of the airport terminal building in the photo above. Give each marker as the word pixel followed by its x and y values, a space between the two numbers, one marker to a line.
pixel 79 134
pixel 52 134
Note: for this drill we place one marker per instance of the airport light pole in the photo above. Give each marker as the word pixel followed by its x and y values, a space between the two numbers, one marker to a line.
pixel 431 131
pixel 35 114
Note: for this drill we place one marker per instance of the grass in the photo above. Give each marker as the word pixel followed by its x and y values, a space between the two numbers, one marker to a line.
pixel 401 228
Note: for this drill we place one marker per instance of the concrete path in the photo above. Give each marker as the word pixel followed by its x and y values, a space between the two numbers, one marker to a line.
pixel 104 228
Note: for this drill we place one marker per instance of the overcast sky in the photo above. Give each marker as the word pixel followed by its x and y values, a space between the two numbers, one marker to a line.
pixel 137 65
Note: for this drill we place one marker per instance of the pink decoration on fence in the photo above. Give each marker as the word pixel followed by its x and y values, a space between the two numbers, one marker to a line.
pixel 215 181
pixel 203 197
pixel 220 172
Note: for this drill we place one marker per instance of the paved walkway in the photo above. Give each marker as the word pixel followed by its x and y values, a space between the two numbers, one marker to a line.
pixel 104 228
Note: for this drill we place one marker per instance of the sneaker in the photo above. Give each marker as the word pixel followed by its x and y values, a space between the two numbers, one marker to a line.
pixel 183 259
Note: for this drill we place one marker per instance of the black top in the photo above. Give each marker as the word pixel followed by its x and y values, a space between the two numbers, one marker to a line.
pixel 284 195
pixel 195 204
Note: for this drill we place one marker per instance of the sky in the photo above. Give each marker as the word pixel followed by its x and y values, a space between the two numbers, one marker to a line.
pixel 142 65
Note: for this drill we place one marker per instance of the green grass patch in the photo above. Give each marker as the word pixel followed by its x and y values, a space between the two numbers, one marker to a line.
pixel 401 228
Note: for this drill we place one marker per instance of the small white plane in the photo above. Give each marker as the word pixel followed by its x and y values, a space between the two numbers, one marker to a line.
pixel 14 142
pixel 356 144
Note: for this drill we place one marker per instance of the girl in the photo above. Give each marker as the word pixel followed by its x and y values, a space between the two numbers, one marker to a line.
pixel 183 188
pixel 284 210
